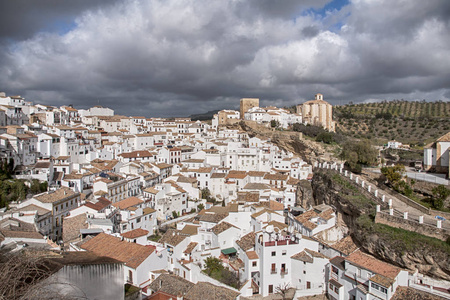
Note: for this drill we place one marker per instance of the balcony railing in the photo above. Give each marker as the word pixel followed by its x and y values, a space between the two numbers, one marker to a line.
pixel 273 271
pixel 280 243
pixel 284 271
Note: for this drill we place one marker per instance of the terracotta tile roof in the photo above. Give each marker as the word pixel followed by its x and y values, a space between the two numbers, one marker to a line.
pixel 276 177
pixel 206 290
pixel 218 175
pixel 256 186
pixel 132 254
pixel 252 255
pixel 189 230
pixel 409 293
pixel 171 284
pixel 98 204
pixel 137 154
pixel 42 165
pixel 237 174
pixel 315 254
pixel 221 227
pixel 256 174
pixel 204 170
pixel 278 225
pixel 40 210
pixel 444 138
pixel 327 214
pixel 72 226
pixel 152 190
pixel 190 247
pixel 172 237
pixel 163 166
pixel 345 246
pixel 59 194
pixel 247 241
pixel 212 217
pixel 248 197
pixel 292 181
pixel 371 263
pixel 185 179
pixel 261 212
pixel 273 205
pixel 128 202
pixel 15 228
pixel 148 210
pixel 339 262
pixel 382 280
pixel 135 233
pixel 305 217
pixel 303 256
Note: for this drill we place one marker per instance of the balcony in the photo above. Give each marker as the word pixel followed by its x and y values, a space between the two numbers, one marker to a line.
pixel 280 243
pixel 273 271
pixel 284 271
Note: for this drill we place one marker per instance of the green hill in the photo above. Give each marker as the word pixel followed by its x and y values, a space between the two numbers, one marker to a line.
pixel 415 123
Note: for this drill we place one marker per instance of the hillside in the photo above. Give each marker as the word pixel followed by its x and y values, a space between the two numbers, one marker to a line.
pixel 415 123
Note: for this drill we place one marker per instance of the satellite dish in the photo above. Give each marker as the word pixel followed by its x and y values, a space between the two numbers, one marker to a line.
pixel 293 238
pixel 269 229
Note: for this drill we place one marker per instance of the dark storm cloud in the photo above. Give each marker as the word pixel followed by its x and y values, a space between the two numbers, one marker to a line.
pixel 162 58
pixel 21 19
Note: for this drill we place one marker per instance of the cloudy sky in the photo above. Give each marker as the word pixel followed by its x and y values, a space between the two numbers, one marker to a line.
pixel 179 57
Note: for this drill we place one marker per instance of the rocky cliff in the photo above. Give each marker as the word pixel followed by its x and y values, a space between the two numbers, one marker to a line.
pixel 397 246
pixel 286 140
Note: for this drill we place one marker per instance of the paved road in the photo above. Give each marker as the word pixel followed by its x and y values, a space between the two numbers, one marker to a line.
pixel 434 178
pixel 400 207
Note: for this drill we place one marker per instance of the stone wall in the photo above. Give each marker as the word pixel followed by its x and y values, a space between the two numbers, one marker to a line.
pixel 410 225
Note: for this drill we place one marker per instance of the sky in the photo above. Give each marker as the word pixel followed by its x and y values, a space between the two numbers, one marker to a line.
pixel 171 58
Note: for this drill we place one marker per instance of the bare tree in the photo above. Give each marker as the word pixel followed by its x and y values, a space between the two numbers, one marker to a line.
pixel 29 276
pixel 282 290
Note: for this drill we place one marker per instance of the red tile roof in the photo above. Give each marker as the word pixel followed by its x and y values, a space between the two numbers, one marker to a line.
pixel 132 254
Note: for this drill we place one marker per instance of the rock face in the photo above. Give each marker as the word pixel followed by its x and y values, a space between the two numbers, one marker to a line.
pixel 428 256
pixel 305 194
pixel 285 140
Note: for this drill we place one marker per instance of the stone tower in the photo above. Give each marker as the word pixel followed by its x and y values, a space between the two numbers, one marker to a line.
pixel 246 104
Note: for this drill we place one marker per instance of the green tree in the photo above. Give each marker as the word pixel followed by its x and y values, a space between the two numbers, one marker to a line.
pixel 325 137
pixel 359 153
pixel 395 176
pixel 206 193
pixel 200 207
pixel 440 193
pixel 174 214
pixel 213 264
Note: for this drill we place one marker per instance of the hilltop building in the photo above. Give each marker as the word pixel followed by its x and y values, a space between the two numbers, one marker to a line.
pixel 246 104
pixel 436 155
pixel 317 112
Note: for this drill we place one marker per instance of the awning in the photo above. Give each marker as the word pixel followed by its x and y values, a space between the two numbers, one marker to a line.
pixel 229 251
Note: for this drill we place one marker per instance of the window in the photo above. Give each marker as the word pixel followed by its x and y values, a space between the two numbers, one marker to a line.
pixel 254 264
pixel 273 269
pixel 379 288
pixel 270 288
pixel 334 270
pixel 283 252
pixel 274 253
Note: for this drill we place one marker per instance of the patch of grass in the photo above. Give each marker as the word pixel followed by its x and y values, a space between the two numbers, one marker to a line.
pixel 409 240
pixel 401 239
pixel 343 183
pixel 154 237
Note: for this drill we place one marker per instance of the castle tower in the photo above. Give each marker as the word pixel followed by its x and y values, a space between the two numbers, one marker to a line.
pixel 246 104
